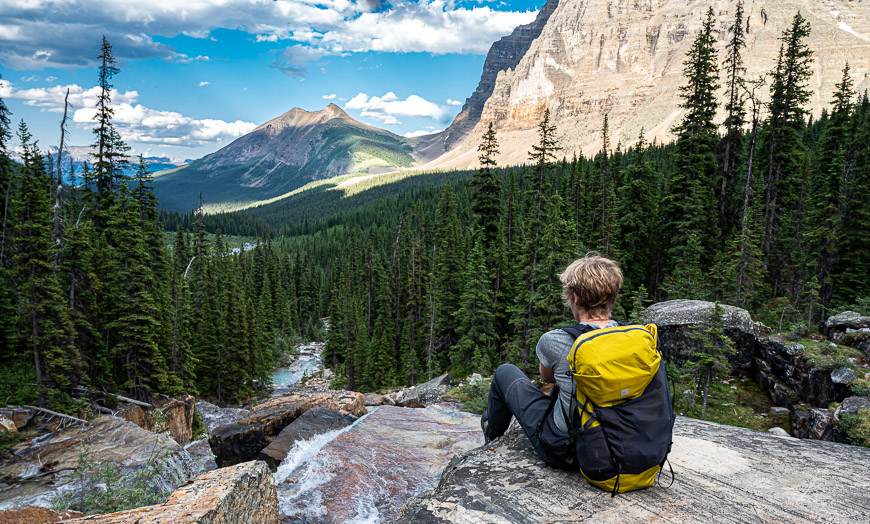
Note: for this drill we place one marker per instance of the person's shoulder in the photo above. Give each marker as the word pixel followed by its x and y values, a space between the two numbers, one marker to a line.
pixel 556 336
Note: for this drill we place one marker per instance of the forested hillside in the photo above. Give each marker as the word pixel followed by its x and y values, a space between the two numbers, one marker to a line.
pixel 455 272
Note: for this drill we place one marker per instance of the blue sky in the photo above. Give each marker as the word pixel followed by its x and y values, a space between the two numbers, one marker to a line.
pixel 197 73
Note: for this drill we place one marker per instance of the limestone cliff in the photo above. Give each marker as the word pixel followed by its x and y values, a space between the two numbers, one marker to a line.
pixel 624 58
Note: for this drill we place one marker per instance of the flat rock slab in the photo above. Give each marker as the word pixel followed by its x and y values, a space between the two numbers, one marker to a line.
pixel 241 494
pixel 366 472
pixel 35 472
pixel 723 474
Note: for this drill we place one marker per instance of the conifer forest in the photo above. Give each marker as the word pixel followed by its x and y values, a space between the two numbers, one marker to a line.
pixel 455 272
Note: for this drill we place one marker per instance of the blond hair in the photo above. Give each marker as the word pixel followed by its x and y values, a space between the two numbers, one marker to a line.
pixel 595 281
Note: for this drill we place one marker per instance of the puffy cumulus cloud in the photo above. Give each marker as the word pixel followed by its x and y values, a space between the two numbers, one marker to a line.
pixel 432 26
pixel 135 122
pixel 452 102
pixel 390 105
pixel 51 33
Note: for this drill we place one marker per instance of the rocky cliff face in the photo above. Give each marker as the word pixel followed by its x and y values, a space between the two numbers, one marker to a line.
pixel 722 474
pixel 624 58
pixel 504 54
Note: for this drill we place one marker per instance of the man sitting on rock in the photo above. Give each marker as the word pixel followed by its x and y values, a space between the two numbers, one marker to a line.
pixel 590 286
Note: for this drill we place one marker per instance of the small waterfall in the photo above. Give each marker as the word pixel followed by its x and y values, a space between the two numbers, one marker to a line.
pixel 365 472
pixel 302 500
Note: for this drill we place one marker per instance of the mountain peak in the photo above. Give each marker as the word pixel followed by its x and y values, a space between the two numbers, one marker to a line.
pixel 335 110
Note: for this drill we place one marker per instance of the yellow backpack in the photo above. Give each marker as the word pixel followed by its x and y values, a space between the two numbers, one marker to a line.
pixel 623 425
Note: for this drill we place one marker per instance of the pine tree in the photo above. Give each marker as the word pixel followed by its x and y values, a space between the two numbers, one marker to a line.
pixel 785 156
pixel 826 214
pixel 133 331
pixel 734 121
pixel 7 296
pixel 45 331
pixel 110 156
pixel 607 199
pixel 711 360
pixel 689 207
pixel 637 209
pixel 477 345
pixel 448 264
pixel 486 190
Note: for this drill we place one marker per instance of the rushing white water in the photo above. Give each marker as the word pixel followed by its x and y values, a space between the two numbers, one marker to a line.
pixel 365 472
pixel 302 498
pixel 307 362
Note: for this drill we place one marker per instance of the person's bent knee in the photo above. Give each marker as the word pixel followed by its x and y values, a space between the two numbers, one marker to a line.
pixel 506 369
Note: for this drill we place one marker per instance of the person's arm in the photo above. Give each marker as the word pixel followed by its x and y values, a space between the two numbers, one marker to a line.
pixel 546 374
pixel 544 350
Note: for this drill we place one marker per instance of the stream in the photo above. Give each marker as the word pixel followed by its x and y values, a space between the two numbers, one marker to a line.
pixel 365 472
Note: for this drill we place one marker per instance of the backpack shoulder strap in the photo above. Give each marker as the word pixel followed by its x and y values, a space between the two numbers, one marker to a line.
pixel 577 330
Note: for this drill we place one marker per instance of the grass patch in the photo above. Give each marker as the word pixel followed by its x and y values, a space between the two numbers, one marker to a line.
pixel 736 402
pixel 824 354
pixel 472 395
pixel 856 427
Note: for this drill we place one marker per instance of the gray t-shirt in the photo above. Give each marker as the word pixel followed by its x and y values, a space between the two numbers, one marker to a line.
pixel 552 350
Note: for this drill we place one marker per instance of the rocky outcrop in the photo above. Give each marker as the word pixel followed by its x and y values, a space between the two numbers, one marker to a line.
pixel 850 329
pixel 172 415
pixel 722 474
pixel 7 425
pixel 614 57
pixel 420 395
pixel 366 472
pixel 678 323
pixel 243 440
pixel 36 471
pixel 214 416
pixel 313 422
pixel 35 515
pixel 814 423
pixel 782 369
pixel 21 417
pixel 241 494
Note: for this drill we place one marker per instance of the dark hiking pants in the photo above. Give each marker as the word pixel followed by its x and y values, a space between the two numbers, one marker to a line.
pixel 513 394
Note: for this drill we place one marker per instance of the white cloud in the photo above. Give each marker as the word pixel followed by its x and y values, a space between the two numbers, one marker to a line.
pixel 420 132
pixel 135 122
pixel 330 96
pixel 51 33
pixel 204 83
pixel 391 105
pixel 452 102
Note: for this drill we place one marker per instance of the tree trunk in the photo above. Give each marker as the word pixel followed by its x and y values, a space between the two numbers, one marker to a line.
pixel 706 392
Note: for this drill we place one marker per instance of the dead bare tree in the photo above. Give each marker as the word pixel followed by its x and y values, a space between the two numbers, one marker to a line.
pixel 58 184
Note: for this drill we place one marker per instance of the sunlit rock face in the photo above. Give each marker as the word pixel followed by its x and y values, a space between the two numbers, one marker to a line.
pixel 624 58
pixel 367 471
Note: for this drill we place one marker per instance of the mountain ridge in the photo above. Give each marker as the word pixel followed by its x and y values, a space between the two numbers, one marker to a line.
pixel 281 155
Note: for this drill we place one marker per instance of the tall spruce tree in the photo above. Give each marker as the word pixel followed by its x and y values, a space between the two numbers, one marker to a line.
pixel 7 295
pixel 486 195
pixel 46 332
pixel 784 153
pixel 689 207
pixel 735 110
pixel 110 151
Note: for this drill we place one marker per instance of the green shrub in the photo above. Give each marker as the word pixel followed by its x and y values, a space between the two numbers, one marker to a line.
pixel 473 395
pixel 198 426
pixel 827 355
pixel 101 488
pixel 856 427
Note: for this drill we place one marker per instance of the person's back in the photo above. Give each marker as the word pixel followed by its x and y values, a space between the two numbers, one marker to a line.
pixel 552 423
